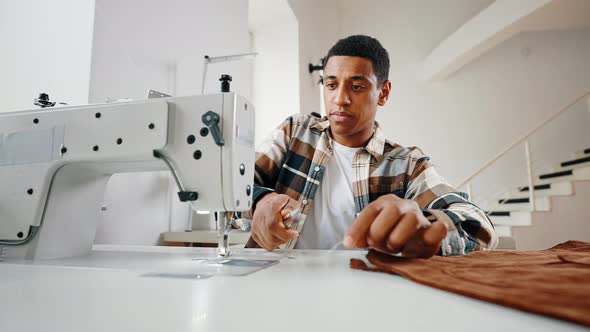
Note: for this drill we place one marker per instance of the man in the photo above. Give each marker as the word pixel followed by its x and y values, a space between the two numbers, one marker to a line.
pixel 345 183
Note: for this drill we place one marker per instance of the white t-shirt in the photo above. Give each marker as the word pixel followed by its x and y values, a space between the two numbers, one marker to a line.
pixel 333 208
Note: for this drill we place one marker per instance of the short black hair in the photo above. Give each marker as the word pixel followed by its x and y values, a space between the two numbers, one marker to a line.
pixel 364 47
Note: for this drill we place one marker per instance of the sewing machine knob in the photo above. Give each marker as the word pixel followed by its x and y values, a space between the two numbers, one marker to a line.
pixel 185 196
pixel 211 120
pixel 225 79
pixel 43 101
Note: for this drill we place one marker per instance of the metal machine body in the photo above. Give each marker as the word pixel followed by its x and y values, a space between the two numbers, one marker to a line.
pixel 55 163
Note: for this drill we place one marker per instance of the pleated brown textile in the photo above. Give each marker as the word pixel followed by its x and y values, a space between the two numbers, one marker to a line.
pixel 553 282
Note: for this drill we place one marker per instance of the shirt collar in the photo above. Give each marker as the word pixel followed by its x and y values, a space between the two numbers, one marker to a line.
pixel 375 145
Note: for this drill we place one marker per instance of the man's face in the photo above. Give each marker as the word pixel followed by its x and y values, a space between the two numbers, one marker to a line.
pixel 351 96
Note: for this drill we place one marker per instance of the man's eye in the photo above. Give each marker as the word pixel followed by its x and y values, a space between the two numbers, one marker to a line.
pixel 330 85
pixel 357 87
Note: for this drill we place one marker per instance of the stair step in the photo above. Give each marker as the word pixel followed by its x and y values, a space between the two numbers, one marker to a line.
pixel 576 174
pixel 522 204
pixel 555 174
pixel 537 187
pixel 575 161
pixel 544 190
pixel 498 213
pixel 582 162
pixel 512 219
pixel 582 153
pixel 513 200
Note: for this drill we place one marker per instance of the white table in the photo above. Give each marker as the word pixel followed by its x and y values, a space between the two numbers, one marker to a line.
pixel 108 290
pixel 205 236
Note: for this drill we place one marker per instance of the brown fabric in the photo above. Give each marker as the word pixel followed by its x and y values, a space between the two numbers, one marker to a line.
pixel 553 282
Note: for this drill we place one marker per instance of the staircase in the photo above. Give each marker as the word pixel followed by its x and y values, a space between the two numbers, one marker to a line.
pixel 513 219
pixel 553 207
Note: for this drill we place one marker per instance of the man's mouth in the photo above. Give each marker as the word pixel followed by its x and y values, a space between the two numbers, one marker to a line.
pixel 340 116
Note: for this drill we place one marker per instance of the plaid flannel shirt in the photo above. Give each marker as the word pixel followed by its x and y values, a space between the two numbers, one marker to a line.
pixel 293 159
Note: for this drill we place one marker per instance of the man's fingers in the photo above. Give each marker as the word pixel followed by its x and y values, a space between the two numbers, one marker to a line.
pixel 358 232
pixel 404 231
pixel 276 239
pixel 381 227
pixel 356 235
pixel 262 241
pixel 282 205
pixel 268 229
pixel 434 235
pixel 285 213
pixel 279 202
pixel 279 230
pixel 426 242
pixel 284 235
pixel 291 205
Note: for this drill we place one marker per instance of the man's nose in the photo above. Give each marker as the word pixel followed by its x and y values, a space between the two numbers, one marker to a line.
pixel 340 96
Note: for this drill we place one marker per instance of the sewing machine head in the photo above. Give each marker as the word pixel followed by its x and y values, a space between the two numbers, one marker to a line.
pixel 54 164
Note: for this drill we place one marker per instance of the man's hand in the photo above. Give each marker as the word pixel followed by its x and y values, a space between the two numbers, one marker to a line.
pixel 268 229
pixel 391 225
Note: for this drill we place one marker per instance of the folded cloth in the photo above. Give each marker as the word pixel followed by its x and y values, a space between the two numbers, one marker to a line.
pixel 553 282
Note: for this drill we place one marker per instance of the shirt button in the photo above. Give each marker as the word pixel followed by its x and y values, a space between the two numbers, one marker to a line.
pixel 317 168
pixel 304 202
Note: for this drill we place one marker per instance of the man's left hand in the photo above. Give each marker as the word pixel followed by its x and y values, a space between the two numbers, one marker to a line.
pixel 392 225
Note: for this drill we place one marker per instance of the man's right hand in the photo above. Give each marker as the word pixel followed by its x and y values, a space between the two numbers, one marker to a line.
pixel 268 229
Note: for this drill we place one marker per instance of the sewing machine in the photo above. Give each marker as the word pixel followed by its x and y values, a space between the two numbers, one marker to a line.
pixel 55 163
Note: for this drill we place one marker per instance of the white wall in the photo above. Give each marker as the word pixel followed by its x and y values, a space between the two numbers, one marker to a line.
pixel 463 121
pixel 275 37
pixel 45 47
pixel 140 45
pixel 160 45
pixel 319 26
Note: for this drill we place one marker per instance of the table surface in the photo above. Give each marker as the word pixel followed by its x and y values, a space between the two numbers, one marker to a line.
pixel 117 288
pixel 205 236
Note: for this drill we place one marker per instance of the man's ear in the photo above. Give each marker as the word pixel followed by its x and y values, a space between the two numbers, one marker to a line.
pixel 384 92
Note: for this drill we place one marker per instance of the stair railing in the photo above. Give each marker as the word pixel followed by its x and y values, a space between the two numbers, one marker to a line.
pixel 467 182
pixel 490 198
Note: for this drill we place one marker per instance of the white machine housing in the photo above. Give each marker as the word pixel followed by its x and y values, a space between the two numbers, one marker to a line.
pixel 55 163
